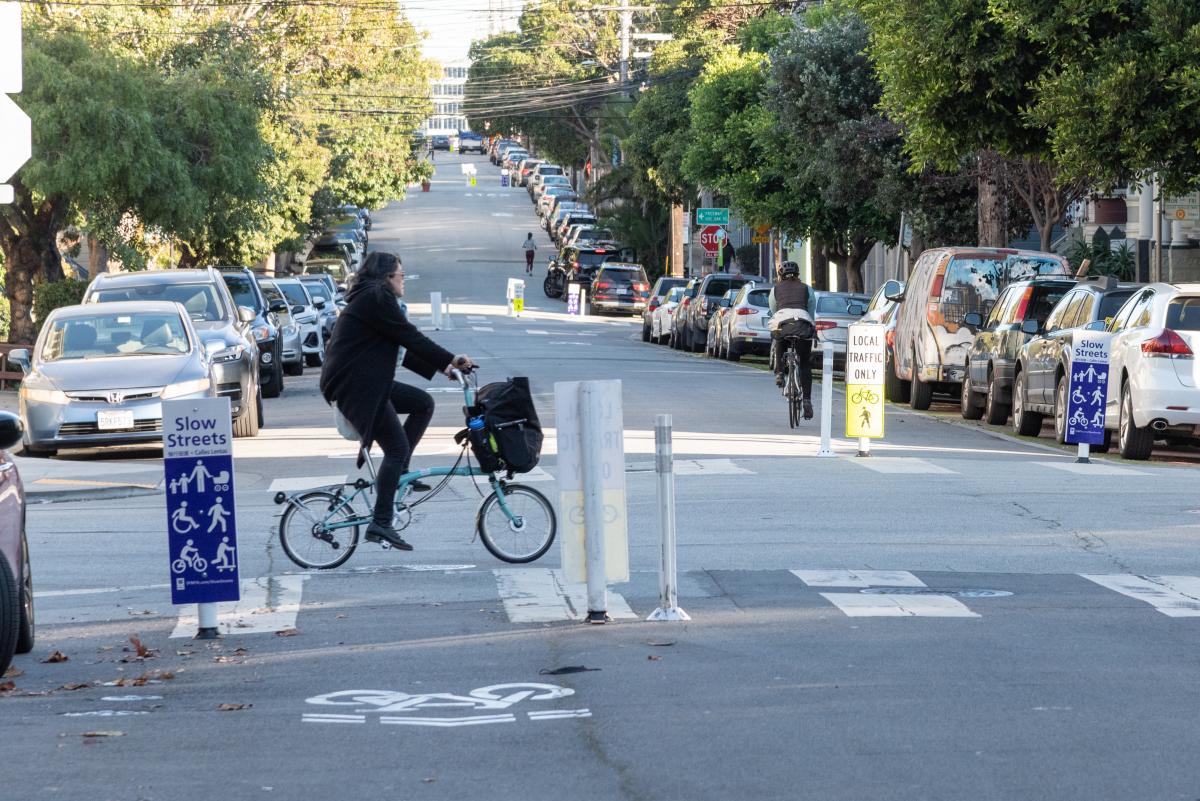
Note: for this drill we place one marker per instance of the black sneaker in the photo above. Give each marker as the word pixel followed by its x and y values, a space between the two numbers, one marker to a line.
pixel 808 410
pixel 379 532
pixel 419 486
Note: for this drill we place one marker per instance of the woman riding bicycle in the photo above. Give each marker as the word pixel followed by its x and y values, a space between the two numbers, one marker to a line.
pixel 792 293
pixel 360 363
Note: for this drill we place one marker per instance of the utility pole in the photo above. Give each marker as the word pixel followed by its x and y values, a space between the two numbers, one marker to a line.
pixel 626 30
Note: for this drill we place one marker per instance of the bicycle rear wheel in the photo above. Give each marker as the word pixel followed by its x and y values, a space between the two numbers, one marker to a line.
pixel 305 533
pixel 793 395
pixel 524 537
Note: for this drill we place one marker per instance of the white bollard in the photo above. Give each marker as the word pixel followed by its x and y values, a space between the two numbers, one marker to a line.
pixel 864 446
pixel 435 310
pixel 668 591
pixel 582 302
pixel 447 320
pixel 826 399
pixel 207 616
pixel 591 412
pixel 1084 454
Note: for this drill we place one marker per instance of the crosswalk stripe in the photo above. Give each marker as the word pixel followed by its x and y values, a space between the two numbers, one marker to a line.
pixel 858 578
pixel 537 331
pixel 900 464
pixel 305 482
pixel 268 604
pixel 539 595
pixel 1093 469
pixel 485 328
pixel 856 605
pixel 1174 596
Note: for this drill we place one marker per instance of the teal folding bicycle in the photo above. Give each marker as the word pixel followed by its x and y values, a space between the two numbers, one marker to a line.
pixel 319 527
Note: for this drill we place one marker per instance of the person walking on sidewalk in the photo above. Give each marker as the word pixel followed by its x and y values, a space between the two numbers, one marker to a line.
pixel 530 247
pixel 358 375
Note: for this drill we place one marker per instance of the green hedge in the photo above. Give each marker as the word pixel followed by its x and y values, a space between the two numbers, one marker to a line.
pixel 48 297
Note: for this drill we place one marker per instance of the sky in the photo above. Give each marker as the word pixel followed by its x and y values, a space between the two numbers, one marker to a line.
pixel 452 25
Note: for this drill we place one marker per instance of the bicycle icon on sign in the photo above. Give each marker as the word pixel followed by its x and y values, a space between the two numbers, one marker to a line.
pixel 865 395
pixel 1079 418
pixel 189 556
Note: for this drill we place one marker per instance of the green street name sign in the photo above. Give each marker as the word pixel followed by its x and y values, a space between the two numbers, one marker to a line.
pixel 712 216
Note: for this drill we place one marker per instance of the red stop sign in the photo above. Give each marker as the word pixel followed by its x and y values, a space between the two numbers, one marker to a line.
pixel 708 238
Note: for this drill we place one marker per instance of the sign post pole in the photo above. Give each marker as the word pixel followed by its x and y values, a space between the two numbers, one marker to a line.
pixel 668 591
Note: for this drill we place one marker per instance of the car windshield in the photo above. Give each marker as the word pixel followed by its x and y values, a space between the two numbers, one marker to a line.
pixel 840 304
pixel 317 289
pixel 331 251
pixel 675 294
pixel 337 269
pixel 295 293
pixel 556 180
pixel 1183 314
pixel 593 258
pixel 201 300
pixel 596 234
pixel 242 291
pixel 1111 302
pixel 720 286
pixel 547 170
pixel 105 335
pixel 272 293
pixel 760 298
pixel 625 275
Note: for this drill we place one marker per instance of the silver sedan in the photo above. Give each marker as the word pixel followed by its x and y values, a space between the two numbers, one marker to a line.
pixel 99 373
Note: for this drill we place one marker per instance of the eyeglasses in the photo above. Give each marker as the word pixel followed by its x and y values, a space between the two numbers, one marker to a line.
pixel 397 273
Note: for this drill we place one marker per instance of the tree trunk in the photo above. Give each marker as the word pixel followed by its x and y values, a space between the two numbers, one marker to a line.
pixel 820 265
pixel 97 257
pixel 860 250
pixel 30 246
pixel 993 206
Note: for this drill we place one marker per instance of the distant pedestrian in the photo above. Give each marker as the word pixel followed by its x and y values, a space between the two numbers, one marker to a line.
pixel 530 247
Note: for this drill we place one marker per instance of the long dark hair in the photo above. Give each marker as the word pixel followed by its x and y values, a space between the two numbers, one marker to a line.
pixel 374 273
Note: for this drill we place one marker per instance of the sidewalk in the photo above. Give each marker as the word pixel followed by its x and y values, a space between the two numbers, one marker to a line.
pixel 58 480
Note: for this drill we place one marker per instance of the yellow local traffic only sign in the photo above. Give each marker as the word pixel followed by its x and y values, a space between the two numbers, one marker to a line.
pixel 865 360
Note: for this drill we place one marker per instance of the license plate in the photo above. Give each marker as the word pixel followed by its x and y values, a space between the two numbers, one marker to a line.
pixel 114 421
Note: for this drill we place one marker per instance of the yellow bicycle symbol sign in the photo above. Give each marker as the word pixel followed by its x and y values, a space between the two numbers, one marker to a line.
pixel 865 395
pixel 864 410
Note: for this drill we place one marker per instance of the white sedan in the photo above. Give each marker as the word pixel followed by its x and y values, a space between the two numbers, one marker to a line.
pixel 660 320
pixel 1153 378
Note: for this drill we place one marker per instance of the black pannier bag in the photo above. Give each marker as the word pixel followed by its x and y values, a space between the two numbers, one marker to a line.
pixel 511 437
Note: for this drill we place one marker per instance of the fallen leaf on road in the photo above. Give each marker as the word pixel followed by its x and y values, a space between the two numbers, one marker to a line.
pixel 233 707
pixel 143 612
pixel 564 670
pixel 287 632
pixel 13 672
pixel 654 657
pixel 76 685
pixel 103 734
pixel 142 650
pixel 340 617
pixel 147 677
pixel 57 656
pixel 240 652
pixel 7 686
pixel 428 780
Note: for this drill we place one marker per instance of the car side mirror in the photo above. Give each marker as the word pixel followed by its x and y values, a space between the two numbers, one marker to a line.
pixel 1031 327
pixel 278 306
pixel 319 303
pixel 892 289
pixel 856 310
pixel 297 310
pixel 341 288
pixel 973 319
pixel 246 314
pixel 1094 325
pixel 20 356
pixel 11 428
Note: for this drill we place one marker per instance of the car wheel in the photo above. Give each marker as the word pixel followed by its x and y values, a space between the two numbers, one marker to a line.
pixel 645 332
pixel 274 386
pixel 10 613
pixel 36 452
pixel 1105 446
pixel 1060 411
pixel 1135 442
pixel 697 344
pixel 920 393
pixel 1024 422
pixel 25 628
pixel 734 351
pixel 294 369
pixel 896 390
pixel 248 422
pixel 970 405
pixel 994 412
pixel 316 359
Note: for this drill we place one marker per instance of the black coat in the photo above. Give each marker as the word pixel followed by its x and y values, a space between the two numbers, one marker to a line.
pixel 360 359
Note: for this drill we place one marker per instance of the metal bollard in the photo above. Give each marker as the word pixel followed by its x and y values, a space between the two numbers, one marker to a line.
pixel 826 399
pixel 668 594
pixel 591 411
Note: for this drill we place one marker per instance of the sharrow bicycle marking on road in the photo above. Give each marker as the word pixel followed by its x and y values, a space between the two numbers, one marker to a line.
pixel 858 578
pixel 855 605
pixel 304 482
pixel 555 714
pixel 1093 469
pixel 538 595
pixel 393 705
pixel 474 720
pixel 315 718
pixel 1174 596
pixel 267 605
pixel 900 464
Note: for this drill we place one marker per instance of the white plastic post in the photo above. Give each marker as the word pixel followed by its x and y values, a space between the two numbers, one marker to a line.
pixel 668 594
pixel 582 302
pixel 447 320
pixel 864 446
pixel 591 411
pixel 435 310
pixel 1083 455
pixel 207 616
pixel 826 399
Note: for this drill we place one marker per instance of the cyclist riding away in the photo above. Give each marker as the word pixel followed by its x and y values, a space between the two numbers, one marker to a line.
pixel 792 295
pixel 358 376
pixel 530 247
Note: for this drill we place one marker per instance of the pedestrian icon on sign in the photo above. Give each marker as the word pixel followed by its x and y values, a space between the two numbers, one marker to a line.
pixel 216 515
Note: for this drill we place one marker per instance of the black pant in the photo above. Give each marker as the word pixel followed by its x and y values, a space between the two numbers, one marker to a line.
pixel 398 441
pixel 529 260
pixel 803 356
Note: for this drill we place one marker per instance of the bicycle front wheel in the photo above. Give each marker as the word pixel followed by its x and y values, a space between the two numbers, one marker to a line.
pixel 524 532
pixel 307 534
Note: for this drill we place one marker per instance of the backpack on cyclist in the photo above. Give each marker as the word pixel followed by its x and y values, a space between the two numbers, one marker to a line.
pixel 792 324
pixel 503 427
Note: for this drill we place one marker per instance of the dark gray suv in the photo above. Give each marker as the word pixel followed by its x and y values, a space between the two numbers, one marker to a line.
pixel 224 328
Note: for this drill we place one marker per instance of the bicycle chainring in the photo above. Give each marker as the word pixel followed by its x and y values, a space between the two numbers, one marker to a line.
pixel 402 519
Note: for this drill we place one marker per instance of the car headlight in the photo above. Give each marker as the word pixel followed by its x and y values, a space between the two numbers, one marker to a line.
pixel 186 388
pixel 44 395
pixel 262 334
pixel 228 354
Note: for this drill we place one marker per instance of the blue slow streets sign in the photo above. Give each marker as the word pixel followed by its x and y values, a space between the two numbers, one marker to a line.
pixel 201 519
pixel 1087 389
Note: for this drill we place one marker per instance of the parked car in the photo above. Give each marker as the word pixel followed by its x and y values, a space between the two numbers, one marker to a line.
pixel 715 322
pixel 693 325
pixel 17 625
pixel 588 234
pixel 470 142
pixel 541 183
pixel 1018 315
pixel 576 264
pixel 662 286
pixel 620 286
pixel 350 224
pixel 439 142
pixel 358 211
pixel 1045 361
pixel 881 301
pixel 264 328
pixel 98 374
pixel 514 151
pixel 513 157
pixel 338 246
pixel 835 311
pixel 1153 375
pixel 743 328
pixel 497 149
pixel 334 268
pixel 679 318
pixel 558 211
pixel 223 327
pixel 290 345
pixel 307 316
pixel 325 293
pixel 945 284
pixel 661 318
pixel 539 174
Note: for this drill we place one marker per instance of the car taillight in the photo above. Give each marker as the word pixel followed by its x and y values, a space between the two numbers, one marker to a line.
pixel 890 337
pixel 670 311
pixel 935 297
pixel 641 287
pixel 654 304
pixel 603 285
pixel 1023 307
pixel 1168 345
pixel 825 325
pixel 747 310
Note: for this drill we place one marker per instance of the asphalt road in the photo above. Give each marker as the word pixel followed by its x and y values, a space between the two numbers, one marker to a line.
pixel 960 615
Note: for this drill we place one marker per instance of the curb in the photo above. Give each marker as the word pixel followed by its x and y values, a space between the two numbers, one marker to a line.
pixel 41 496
